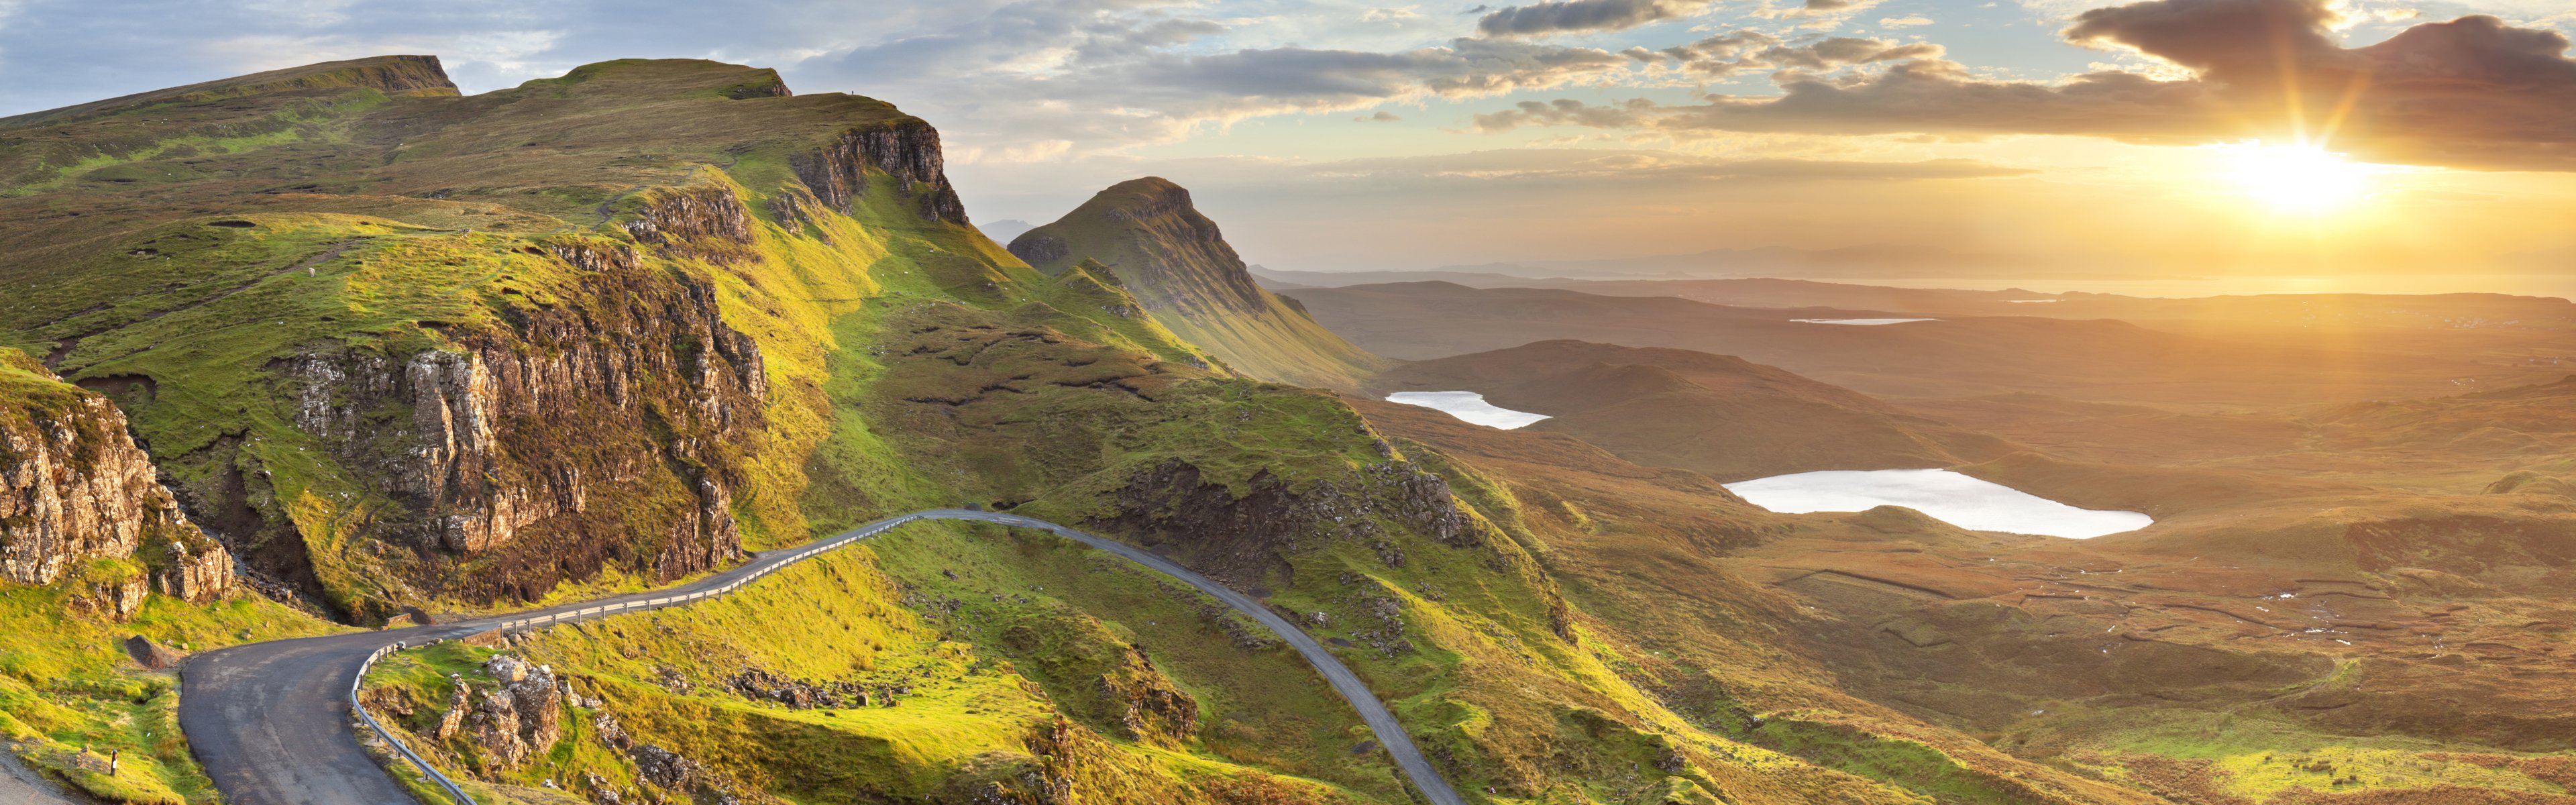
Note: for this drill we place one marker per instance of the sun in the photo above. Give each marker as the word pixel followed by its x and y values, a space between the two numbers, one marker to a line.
pixel 2301 178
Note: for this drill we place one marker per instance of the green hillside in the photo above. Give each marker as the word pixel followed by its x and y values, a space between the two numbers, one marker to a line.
pixel 403 349
pixel 1152 240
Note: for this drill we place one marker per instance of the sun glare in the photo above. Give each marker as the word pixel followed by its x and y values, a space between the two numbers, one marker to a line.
pixel 2299 178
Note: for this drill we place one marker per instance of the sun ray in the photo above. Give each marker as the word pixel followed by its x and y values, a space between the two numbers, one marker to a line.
pixel 2301 178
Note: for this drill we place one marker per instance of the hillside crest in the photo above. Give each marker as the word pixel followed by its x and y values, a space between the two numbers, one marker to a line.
pixel 1175 260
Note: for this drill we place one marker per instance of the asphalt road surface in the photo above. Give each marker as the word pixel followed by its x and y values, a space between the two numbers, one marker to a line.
pixel 20 785
pixel 271 721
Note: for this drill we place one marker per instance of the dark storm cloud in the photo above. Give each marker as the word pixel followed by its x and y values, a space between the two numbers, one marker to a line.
pixel 1582 15
pixel 2473 92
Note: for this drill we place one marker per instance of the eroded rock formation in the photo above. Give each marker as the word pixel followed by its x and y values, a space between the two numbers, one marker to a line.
pixel 540 449
pixel 906 149
pixel 74 488
pixel 1240 538
pixel 704 222
pixel 520 717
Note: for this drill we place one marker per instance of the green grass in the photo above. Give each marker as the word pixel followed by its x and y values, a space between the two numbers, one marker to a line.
pixel 66 683
pixel 2260 756
pixel 910 364
pixel 835 618
pixel 309 120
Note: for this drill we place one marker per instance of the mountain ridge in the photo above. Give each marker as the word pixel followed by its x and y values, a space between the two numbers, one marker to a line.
pixel 1177 263
pixel 349 325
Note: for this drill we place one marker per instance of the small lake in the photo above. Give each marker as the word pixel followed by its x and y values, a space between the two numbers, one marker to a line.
pixel 1862 322
pixel 1949 497
pixel 1469 406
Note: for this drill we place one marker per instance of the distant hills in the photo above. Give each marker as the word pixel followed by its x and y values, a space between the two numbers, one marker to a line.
pixel 401 351
pixel 1872 261
pixel 2223 362
pixel 1721 415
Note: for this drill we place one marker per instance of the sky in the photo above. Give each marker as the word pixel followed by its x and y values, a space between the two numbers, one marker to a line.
pixel 2061 137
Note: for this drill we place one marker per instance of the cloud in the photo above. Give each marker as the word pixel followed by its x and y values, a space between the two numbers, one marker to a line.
pixel 1749 51
pixel 1382 116
pixel 1862 171
pixel 1015 154
pixel 1566 112
pixel 1593 167
pixel 1571 16
pixel 2473 92
pixel 1907 21
pixel 1108 75
pixel 1826 12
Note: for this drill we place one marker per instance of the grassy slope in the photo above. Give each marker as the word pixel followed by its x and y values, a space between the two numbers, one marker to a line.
pixel 1032 390
pixel 1487 674
pixel 1719 415
pixel 1146 236
pixel 66 681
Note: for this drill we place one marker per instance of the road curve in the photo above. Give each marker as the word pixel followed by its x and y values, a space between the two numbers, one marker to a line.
pixel 20 785
pixel 271 722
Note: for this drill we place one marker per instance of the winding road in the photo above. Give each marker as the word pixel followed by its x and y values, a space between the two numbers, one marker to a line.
pixel 271 721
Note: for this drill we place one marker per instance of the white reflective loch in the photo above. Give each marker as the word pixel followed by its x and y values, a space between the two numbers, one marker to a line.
pixel 1469 406
pixel 1950 497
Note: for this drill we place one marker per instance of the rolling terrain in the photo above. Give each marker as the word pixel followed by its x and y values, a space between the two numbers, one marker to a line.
pixel 2270 639
pixel 2346 601
pixel 2100 360
pixel 413 355
pixel 1145 236
pixel 1719 415
pixel 410 355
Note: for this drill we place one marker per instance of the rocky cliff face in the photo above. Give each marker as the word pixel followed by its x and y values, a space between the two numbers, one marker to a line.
pixel 905 149
pixel 74 487
pixel 603 430
pixel 704 222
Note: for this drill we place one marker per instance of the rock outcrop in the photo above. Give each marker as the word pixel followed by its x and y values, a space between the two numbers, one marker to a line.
pixel 520 717
pixel 906 149
pixel 1102 680
pixel 665 771
pixel 1239 539
pixel 709 223
pixel 75 489
pixel 542 448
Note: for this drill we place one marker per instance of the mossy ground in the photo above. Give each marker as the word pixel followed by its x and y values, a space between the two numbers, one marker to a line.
pixel 913 363
pixel 1587 646
pixel 963 706
pixel 2263 756
pixel 66 682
